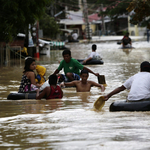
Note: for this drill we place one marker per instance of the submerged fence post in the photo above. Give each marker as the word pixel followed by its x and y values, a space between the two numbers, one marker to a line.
pixel 20 56
pixel 1 53
pixel 7 56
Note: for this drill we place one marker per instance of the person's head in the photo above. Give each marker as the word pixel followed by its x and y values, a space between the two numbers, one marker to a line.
pixel 29 64
pixel 127 34
pixel 66 55
pixel 145 66
pixel 94 47
pixel 53 79
pixel 84 75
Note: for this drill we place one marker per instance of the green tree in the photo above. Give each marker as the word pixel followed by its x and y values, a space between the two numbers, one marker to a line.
pixel 137 9
pixel 16 15
pixel 48 22
pixel 49 26
pixel 114 8
pixel 140 12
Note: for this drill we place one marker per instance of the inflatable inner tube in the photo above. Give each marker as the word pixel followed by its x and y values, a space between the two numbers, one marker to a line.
pixel 71 41
pixel 130 106
pixel 17 96
pixel 91 62
pixel 127 47
pixel 119 42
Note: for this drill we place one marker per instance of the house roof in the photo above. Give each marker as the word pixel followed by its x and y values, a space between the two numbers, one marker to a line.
pixel 67 30
pixel 73 18
pixel 76 18
pixel 93 17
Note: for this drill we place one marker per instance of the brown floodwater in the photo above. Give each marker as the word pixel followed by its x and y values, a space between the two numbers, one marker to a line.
pixel 71 122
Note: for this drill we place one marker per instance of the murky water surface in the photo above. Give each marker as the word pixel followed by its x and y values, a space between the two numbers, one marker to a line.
pixel 71 123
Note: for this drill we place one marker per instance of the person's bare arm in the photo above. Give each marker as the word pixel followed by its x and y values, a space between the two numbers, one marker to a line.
pixel 98 85
pixel 123 44
pixel 131 43
pixel 56 71
pixel 37 92
pixel 87 59
pixel 115 91
pixel 96 74
pixel 46 92
pixel 69 84
pixel 62 93
pixel 31 76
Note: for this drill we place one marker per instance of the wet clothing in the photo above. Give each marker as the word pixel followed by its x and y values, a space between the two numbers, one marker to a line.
pixel 55 93
pixel 139 86
pixel 75 76
pixel 126 41
pixel 73 66
pixel 25 84
pixel 94 55
pixel 75 36
pixel 40 76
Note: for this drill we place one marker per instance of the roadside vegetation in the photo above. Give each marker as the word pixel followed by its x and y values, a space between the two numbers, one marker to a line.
pixel 16 15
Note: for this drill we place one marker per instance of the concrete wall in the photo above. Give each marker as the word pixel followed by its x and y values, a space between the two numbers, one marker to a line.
pixel 135 30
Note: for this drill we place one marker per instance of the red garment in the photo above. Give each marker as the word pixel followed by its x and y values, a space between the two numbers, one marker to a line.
pixel 55 93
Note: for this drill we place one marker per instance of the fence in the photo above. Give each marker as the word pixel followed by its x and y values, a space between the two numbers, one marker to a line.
pixel 10 56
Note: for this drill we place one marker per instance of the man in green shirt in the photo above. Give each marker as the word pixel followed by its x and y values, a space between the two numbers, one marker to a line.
pixel 71 68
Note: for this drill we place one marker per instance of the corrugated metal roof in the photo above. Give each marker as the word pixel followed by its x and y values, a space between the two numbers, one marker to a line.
pixel 73 18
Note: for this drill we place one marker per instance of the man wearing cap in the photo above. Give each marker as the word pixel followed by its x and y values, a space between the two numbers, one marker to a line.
pixel 139 85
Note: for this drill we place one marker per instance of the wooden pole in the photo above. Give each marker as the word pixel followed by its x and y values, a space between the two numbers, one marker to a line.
pixel 37 55
pixel 85 12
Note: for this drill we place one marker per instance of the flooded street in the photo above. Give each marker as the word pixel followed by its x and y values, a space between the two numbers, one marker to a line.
pixel 71 123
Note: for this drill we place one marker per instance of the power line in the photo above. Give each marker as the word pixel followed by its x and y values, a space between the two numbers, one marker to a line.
pixel 70 5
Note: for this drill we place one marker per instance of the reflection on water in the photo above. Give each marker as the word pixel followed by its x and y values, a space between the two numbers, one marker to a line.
pixel 70 123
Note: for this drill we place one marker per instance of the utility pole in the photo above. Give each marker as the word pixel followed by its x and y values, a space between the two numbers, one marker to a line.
pixel 85 12
pixel 80 5
pixel 103 23
pixel 37 55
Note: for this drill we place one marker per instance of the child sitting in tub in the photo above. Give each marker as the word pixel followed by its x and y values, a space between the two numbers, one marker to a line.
pixel 28 78
pixel 93 55
pixel 50 92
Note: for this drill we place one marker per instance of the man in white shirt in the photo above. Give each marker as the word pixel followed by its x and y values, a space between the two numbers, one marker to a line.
pixel 93 55
pixel 139 85
pixel 75 36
